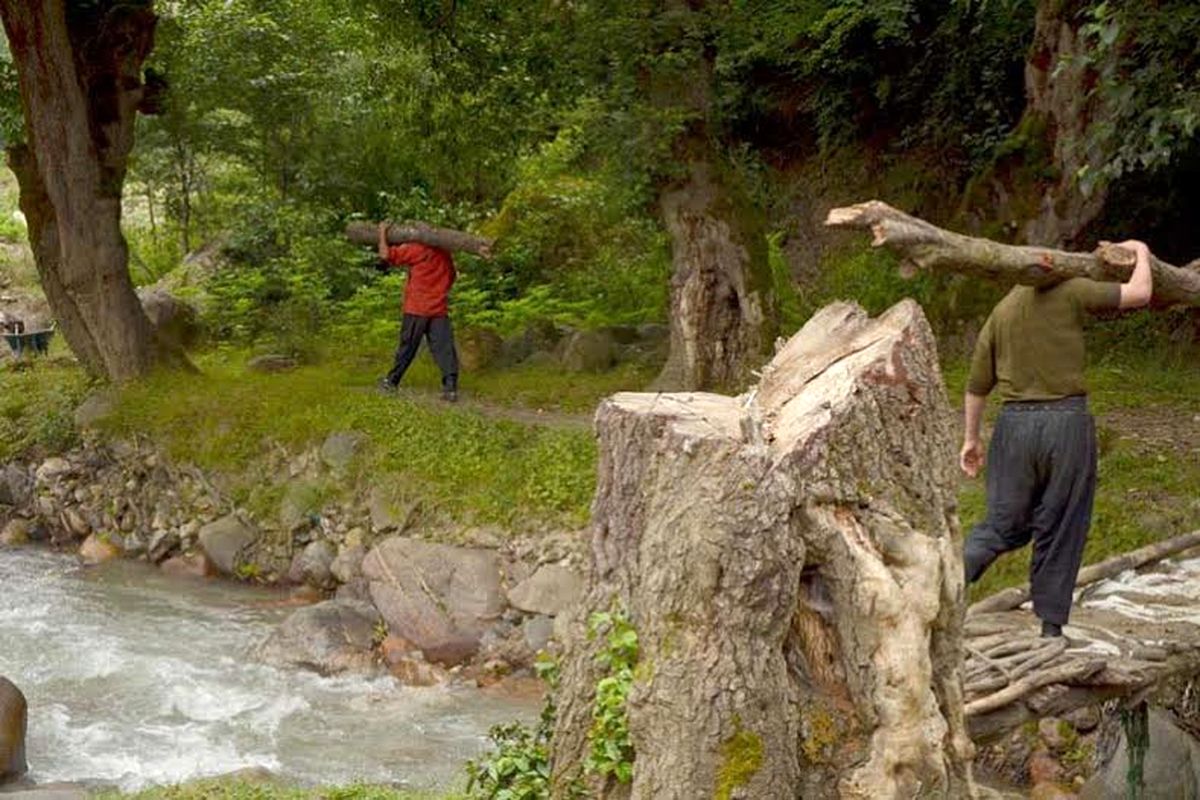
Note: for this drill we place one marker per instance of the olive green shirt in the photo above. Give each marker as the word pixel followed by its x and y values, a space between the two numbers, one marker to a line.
pixel 1031 347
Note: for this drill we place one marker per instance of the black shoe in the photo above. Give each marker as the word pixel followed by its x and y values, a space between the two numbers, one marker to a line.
pixel 1050 630
pixel 450 395
pixel 386 386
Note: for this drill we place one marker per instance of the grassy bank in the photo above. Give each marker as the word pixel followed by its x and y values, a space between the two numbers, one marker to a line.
pixel 265 790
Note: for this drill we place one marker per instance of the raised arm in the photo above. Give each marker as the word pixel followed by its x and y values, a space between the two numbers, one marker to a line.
pixel 1136 291
pixel 383 242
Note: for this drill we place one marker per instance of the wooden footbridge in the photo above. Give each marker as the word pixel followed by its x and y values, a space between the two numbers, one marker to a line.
pixel 1134 633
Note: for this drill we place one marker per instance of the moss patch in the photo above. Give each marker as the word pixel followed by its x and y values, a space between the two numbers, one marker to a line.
pixel 741 759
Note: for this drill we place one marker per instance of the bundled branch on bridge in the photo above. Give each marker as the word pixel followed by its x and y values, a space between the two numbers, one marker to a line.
pixel 367 233
pixel 922 245
pixel 1070 672
pixel 1013 598
pixel 1008 662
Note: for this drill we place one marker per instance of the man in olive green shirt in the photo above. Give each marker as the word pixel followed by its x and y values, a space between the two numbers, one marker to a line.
pixel 1041 467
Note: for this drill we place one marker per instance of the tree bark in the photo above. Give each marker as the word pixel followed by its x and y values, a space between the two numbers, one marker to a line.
pixel 922 245
pixel 367 233
pixel 79 69
pixel 790 561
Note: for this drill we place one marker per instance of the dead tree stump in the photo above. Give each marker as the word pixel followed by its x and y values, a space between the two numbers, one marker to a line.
pixel 790 560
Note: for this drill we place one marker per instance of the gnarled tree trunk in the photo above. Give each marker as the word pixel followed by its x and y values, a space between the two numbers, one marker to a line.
pixel 790 561
pixel 79 68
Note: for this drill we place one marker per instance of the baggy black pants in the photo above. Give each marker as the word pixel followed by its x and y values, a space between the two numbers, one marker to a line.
pixel 1041 481
pixel 441 345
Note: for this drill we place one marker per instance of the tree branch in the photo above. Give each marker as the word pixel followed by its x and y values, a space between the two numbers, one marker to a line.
pixel 367 233
pixel 922 245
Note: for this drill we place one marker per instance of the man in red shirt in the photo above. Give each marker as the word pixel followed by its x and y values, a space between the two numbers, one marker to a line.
pixel 430 275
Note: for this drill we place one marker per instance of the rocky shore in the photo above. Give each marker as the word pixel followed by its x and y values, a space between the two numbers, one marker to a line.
pixel 376 589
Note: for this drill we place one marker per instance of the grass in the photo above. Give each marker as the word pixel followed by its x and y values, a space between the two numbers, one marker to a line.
pixel 1149 464
pixel 218 789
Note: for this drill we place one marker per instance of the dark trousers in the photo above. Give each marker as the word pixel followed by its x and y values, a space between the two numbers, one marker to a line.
pixel 1041 481
pixel 441 344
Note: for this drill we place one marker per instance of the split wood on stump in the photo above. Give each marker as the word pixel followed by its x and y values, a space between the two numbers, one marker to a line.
pixel 922 245
pixel 367 233
pixel 790 561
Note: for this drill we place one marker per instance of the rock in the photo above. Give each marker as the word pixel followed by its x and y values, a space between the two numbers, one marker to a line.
pixel 394 648
pixel 357 589
pixel 271 363
pixel 226 541
pixel 97 407
pixel 387 513
pixel 1084 720
pixel 542 358
pixel 16 487
pixel 192 565
pixel 314 563
pixel 1056 733
pixel 1171 768
pixel 162 545
pixel 74 522
pixel 589 351
pixel 98 549
pixel 1044 768
pixel 478 348
pixel 539 336
pixel 1051 791
pixel 14 712
pixel 329 638
pixel 52 468
pixel 551 590
pixel 621 334
pixel 438 597
pixel 413 670
pixel 299 504
pixel 16 532
pixel 654 332
pixel 348 564
pixel 340 448
pixel 538 631
pixel 173 319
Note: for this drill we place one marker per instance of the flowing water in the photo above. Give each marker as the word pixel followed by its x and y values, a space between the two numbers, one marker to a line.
pixel 136 679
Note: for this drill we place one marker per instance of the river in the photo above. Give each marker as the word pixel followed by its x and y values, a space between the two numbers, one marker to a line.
pixel 135 679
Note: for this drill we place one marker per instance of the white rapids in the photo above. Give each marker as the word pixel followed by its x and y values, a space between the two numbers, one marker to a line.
pixel 134 679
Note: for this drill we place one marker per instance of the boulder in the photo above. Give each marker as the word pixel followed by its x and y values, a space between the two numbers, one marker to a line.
pixel 438 597
pixel 162 545
pixel 348 564
pixel 16 486
pixel 16 532
pixel 539 336
pixel 98 549
pixel 589 351
pixel 14 712
pixel 54 791
pixel 173 319
pixel 191 565
pixel 299 502
pixel 312 565
pixel 538 631
pixel 52 468
pixel 340 449
pixel 226 542
pixel 551 590
pixel 1171 768
pixel 329 638
pixel 478 348
pixel 388 513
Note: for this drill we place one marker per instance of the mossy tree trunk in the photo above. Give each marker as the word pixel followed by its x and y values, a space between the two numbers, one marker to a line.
pixel 790 561
pixel 722 303
pixel 79 66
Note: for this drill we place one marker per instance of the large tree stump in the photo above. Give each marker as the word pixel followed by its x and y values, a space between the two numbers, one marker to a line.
pixel 790 560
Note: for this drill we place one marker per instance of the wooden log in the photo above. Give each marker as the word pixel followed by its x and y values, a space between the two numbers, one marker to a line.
pixel 922 245
pixel 1009 599
pixel 367 233
pixel 1064 673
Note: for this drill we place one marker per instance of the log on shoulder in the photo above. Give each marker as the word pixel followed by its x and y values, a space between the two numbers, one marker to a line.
pixel 789 561
pixel 922 245
pixel 367 233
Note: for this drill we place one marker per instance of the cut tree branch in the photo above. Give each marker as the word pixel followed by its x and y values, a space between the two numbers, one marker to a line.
pixel 922 245
pixel 367 233
pixel 1013 598
pixel 1064 673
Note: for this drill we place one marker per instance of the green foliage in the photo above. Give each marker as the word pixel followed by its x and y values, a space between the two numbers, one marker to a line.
pixel 611 752
pixel 37 407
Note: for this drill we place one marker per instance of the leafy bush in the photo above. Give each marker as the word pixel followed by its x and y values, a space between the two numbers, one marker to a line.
pixel 611 749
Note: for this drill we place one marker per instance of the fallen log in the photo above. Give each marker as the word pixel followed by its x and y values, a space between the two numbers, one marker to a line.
pixel 1009 599
pixel 367 233
pixel 923 245
pixel 1064 673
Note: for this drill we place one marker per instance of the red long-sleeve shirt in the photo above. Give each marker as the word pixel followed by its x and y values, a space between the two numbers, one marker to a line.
pixel 430 275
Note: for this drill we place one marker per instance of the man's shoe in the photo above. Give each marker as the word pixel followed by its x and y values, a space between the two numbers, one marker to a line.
pixel 1050 630
pixel 386 386
pixel 450 395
